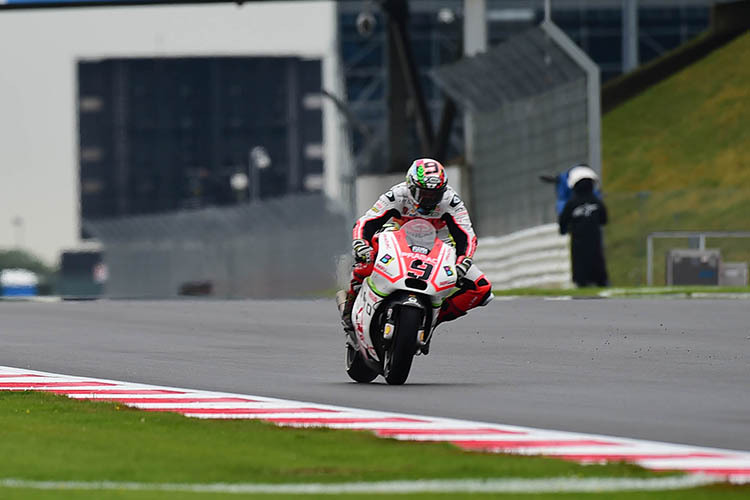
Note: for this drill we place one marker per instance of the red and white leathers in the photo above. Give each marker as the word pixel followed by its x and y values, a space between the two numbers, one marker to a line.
pixel 453 225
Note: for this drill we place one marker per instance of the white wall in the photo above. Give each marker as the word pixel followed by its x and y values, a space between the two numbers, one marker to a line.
pixel 38 55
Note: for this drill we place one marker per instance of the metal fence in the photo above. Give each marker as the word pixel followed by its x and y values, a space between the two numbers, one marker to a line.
pixel 535 257
pixel 534 101
pixel 282 248
pixel 684 213
pixel 697 240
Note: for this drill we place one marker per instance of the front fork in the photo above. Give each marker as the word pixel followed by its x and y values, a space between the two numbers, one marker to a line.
pixel 413 301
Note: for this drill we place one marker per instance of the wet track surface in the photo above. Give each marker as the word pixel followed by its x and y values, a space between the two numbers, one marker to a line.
pixel 661 369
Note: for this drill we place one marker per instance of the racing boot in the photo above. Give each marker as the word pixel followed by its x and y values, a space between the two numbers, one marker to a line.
pixel 448 312
pixel 345 303
pixel 425 348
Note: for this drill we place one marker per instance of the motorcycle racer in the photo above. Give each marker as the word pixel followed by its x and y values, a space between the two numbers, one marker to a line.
pixel 425 194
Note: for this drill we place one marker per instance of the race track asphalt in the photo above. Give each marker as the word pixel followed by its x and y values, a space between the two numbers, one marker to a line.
pixel 661 369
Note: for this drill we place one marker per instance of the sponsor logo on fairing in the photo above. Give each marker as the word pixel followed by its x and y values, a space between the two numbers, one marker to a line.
pixel 386 259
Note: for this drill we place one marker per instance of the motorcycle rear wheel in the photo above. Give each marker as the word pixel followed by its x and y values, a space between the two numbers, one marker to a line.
pixel 356 367
pixel 401 352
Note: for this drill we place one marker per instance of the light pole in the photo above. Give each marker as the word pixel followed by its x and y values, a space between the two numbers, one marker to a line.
pixel 258 159
pixel 239 183
pixel 629 35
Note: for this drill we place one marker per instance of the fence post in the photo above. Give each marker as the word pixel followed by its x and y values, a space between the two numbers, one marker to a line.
pixel 649 260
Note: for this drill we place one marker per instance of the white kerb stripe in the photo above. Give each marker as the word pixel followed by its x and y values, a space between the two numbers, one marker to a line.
pixel 731 464
pixel 509 485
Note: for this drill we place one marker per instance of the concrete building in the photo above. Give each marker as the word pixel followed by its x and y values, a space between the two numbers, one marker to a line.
pixel 39 150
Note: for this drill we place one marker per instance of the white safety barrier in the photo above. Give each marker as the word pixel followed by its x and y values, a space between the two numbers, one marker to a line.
pixel 533 257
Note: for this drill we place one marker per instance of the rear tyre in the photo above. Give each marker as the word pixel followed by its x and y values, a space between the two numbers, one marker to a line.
pixel 401 352
pixel 356 367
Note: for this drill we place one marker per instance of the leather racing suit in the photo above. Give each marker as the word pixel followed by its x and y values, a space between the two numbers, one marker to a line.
pixel 453 225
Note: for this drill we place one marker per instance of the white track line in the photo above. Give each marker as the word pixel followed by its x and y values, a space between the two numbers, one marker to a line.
pixel 479 436
pixel 420 486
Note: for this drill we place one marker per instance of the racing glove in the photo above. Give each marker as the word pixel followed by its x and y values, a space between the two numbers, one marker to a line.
pixel 462 267
pixel 361 250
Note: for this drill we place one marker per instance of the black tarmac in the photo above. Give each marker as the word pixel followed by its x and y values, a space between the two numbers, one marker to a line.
pixel 675 370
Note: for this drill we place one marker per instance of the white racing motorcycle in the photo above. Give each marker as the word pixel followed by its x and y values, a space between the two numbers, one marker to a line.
pixel 395 311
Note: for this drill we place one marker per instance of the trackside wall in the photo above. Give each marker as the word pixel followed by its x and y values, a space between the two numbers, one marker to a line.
pixel 281 248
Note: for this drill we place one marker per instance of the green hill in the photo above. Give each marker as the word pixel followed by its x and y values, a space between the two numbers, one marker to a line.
pixel 677 157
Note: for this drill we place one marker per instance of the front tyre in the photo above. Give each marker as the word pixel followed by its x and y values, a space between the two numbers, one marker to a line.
pixel 356 367
pixel 401 352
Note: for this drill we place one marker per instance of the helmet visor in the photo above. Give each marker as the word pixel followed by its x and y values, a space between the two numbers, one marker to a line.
pixel 428 198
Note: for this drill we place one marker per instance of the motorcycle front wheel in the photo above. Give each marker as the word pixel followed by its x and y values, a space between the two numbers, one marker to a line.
pixel 356 367
pixel 401 351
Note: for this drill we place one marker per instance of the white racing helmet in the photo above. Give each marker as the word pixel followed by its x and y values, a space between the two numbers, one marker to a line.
pixel 580 172
pixel 427 182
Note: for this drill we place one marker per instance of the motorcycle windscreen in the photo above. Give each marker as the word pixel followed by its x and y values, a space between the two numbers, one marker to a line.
pixel 420 234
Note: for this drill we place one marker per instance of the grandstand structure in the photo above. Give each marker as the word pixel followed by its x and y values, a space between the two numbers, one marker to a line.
pixel 534 103
pixel 435 32
pixel 168 133
pixel 531 100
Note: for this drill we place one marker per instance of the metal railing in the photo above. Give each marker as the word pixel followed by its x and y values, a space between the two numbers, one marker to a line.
pixel 534 257
pixel 701 236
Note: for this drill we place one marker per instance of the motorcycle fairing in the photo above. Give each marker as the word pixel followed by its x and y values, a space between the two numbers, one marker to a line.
pixel 396 266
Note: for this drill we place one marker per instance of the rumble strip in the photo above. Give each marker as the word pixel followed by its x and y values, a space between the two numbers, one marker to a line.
pixel 584 448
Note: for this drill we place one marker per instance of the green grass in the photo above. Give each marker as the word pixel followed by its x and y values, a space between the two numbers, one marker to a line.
pixel 705 493
pixel 47 437
pixel 53 437
pixel 677 157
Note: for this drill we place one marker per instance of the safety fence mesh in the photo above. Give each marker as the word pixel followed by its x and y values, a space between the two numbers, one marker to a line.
pixel 281 248
pixel 529 102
